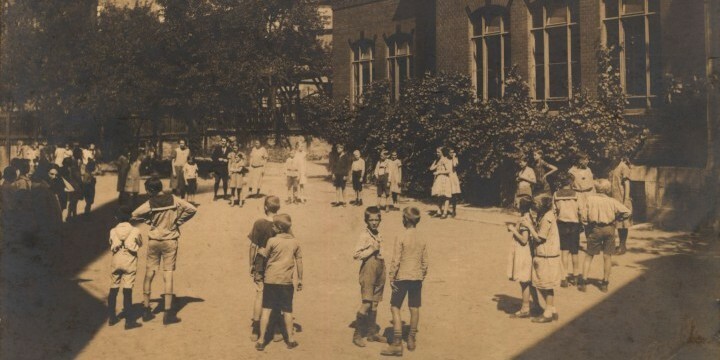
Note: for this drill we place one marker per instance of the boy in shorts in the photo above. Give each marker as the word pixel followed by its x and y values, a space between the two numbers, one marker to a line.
pixel 372 278
pixel 283 257
pixel 599 215
pixel 358 174
pixel 382 180
pixel 407 271
pixel 261 232
pixel 125 241
pixel 568 222
pixel 165 213
pixel 292 172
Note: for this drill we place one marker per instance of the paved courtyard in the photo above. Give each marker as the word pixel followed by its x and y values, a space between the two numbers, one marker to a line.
pixel 660 304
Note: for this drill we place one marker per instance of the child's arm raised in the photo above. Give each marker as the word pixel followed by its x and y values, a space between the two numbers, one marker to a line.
pixel 185 212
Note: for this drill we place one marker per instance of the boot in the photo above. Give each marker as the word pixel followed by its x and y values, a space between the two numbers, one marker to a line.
pixel 147 314
pixel 394 349
pixel 130 321
pixel 373 328
pixel 170 315
pixel 112 302
pixel 255 332
pixel 411 339
pixel 360 323
pixel 581 283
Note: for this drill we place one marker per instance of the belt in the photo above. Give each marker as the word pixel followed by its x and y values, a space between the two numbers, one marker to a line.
pixel 584 191
pixel 601 224
pixel 257 166
pixel 547 257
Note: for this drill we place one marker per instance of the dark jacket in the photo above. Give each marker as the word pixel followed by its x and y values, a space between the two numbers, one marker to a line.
pixel 220 167
pixel 342 165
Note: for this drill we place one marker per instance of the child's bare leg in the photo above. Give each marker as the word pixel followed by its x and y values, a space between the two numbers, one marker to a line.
pixel 257 309
pixel 576 264
pixel 525 288
pixel 365 306
pixel 607 266
pixel 147 287
pixel 264 320
pixel 446 206
pixel 168 277
pixel 414 318
pixel 289 326
pixel 397 320
pixel 586 265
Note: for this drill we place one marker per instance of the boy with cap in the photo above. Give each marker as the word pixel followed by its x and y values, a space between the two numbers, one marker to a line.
pixel 283 257
pixel 125 241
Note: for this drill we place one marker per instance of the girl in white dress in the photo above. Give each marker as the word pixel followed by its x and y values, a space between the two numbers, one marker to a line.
pixel 454 182
pixel 441 168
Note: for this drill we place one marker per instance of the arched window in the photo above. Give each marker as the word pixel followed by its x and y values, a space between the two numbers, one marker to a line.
pixel 362 68
pixel 555 40
pixel 491 43
pixel 632 28
pixel 399 62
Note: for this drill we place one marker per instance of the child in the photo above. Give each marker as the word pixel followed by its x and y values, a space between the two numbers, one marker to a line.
pixel 395 178
pixel 441 188
pixel 543 171
pixel 292 172
pixel 382 181
pixel 520 264
pixel 358 174
pixel 372 278
pixel 620 181
pixel 546 269
pixel 261 232
pixel 132 182
pixel 301 161
pixel 600 214
pixel 525 180
pixel 165 213
pixel 582 179
pixel 340 171
pixel 88 185
pixel 455 188
pixel 568 223
pixel 190 173
pixel 125 241
pixel 283 257
pixel 236 166
pixel 407 271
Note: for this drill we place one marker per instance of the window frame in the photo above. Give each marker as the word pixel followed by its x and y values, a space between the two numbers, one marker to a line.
pixel 646 15
pixel 358 64
pixel 393 67
pixel 570 25
pixel 482 39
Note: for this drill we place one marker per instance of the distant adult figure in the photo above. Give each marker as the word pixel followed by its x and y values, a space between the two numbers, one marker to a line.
pixel 179 158
pixel 132 180
pixel 220 167
pixel 258 159
pixel 620 191
pixel 123 166
pixel 45 205
pixel 72 175
pixel 332 158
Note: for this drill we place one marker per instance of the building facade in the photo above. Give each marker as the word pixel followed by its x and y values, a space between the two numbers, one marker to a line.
pixel 553 44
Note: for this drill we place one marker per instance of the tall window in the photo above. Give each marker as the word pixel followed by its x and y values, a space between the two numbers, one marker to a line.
pixel 400 65
pixel 555 39
pixel 491 40
pixel 362 65
pixel 631 27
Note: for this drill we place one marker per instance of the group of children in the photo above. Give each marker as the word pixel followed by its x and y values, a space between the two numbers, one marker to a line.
pixel 546 239
pixel 446 183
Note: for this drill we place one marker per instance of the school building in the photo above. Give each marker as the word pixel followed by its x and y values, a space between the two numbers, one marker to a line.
pixel 554 44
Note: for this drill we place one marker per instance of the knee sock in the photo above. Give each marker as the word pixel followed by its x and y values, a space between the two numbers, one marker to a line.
pixel 127 301
pixel 112 301
pixel 395 198
pixel 623 236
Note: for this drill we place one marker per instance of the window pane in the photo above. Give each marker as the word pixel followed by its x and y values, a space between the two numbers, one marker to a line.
pixel 633 6
pixel 574 11
pixel 403 69
pixel 558 62
pixel 508 64
pixel 557 12
pixel 539 58
pixel 655 58
pixel 575 60
pixel 537 17
pixel 366 53
pixel 366 76
pixel 653 6
pixel 402 49
pixel 479 78
pixel 611 8
pixel 635 55
pixel 356 54
pixel 356 80
pixel 391 50
pixel 391 75
pixel 477 26
pixel 492 23
pixel 494 76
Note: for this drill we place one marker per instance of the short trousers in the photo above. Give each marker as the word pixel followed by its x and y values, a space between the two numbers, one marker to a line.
pixel 191 186
pixel 165 249
pixel 383 186
pixel 372 279
pixel 339 181
pixel 357 181
pixel 124 279
pixel 292 181
pixel 569 236
pixel 278 297
pixel 600 238
pixel 411 288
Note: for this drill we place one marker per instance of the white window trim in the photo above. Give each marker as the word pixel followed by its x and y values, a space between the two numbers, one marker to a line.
pixel 356 67
pixel 483 37
pixel 392 63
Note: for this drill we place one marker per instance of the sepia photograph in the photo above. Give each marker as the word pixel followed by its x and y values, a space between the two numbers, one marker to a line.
pixel 303 179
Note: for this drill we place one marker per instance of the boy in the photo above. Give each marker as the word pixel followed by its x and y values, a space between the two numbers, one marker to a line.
pixel 569 228
pixel 190 173
pixel 292 172
pixel 543 170
pixel 382 180
pixel 283 256
pixel 372 278
pixel 407 271
pixel 395 178
pixel 599 215
pixel 165 213
pixel 340 171
pixel 358 174
pixel 261 232
pixel 583 179
pixel 125 241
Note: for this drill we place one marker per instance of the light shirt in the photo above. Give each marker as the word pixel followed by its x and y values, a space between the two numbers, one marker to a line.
pixel 358 165
pixel 410 257
pixel 190 171
pixel 368 245
pixel 165 213
pixel 584 180
pixel 525 187
pixel 181 156
pixel 283 251
pixel 60 155
pixel 618 177
pixel 602 209
pixel 258 157
pixel 566 206
pixel 291 167
pixel 548 230
pixel 381 168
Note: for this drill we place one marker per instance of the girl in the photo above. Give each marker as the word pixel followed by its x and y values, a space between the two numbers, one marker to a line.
pixel 132 180
pixel 441 188
pixel 190 173
pixel 395 171
pixel 454 182
pixel 520 264
pixel 525 180
pixel 547 269
pixel 236 164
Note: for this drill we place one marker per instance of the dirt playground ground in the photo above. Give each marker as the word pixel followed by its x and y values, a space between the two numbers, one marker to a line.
pixel 660 305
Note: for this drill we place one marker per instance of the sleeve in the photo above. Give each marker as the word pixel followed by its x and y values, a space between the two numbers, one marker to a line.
pixel 215 154
pixel 395 263
pixel 625 173
pixel 186 211
pixel 298 253
pixel 424 261
pixel 142 210
pixel 253 235
pixel 621 211
pixel 363 249
pixel 545 227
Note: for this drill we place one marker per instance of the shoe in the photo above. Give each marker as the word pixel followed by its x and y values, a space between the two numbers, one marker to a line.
pixel 572 280
pixel 521 315
pixel 444 216
pixel 170 318
pixel 360 326
pixel 581 284
pixel 292 344
pixel 620 250
pixel 131 324
pixel 255 332
pixel 259 346
pixel 147 314
pixel 360 202
pixel 604 286
pixel 394 349
pixel 353 202
pixel 342 204
pixel 411 345
pixel 542 319
pixel 563 283
pixel 112 320
pixel 373 329
pixel 334 204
